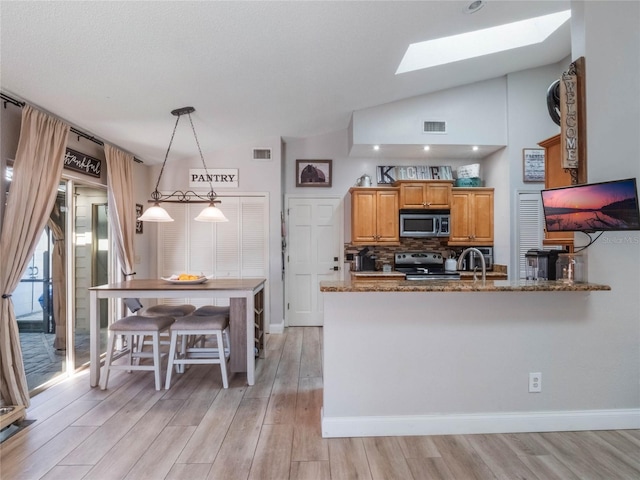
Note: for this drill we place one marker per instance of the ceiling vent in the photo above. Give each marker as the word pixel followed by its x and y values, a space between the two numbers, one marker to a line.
pixel 262 154
pixel 431 126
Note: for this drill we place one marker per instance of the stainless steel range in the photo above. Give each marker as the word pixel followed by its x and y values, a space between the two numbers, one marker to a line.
pixel 423 266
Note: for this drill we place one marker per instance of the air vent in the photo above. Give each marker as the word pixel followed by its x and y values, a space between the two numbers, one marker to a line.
pixel 431 126
pixel 262 154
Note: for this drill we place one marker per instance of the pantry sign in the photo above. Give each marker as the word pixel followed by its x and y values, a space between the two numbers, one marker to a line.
pixel 218 177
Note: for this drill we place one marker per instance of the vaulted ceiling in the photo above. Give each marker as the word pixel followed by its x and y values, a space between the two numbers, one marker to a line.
pixel 252 70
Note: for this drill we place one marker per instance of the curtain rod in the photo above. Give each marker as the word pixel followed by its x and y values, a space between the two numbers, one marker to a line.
pixel 7 99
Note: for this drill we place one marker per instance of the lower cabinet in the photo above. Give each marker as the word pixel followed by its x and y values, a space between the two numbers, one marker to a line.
pixel 471 216
pixel 375 216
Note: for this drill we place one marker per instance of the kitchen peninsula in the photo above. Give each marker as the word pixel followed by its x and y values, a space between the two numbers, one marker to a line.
pixel 431 357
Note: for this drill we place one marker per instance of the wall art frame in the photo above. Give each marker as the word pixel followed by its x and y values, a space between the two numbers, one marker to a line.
pixel 533 165
pixel 314 173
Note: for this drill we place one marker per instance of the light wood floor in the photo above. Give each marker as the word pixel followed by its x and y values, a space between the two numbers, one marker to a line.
pixel 196 430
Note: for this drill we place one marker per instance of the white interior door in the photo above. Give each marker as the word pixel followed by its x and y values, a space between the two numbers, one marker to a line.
pixel 314 254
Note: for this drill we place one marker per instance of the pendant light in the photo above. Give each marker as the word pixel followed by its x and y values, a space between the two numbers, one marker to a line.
pixel 156 213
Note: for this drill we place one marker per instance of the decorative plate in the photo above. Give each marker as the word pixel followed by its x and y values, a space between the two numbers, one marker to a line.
pixel 174 280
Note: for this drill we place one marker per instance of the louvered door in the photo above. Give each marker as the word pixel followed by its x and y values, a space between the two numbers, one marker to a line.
pixel 530 232
pixel 233 249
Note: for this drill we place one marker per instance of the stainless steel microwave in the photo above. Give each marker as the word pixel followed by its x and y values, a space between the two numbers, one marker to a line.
pixel 424 224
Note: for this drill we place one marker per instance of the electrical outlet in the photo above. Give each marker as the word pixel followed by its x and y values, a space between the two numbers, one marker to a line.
pixel 535 382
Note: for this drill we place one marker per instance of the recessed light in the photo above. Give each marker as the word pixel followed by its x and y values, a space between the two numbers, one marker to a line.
pixel 376 147
pixel 475 148
pixel 426 148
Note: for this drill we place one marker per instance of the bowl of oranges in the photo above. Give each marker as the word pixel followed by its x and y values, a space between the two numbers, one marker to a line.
pixel 185 279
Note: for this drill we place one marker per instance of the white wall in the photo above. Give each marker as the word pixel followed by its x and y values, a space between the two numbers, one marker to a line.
pixel 529 124
pixel 475 115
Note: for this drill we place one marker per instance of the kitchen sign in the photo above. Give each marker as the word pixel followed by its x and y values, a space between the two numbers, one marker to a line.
pixel 218 177
pixel 79 162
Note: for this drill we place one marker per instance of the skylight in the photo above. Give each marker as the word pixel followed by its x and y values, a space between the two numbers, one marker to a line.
pixel 481 42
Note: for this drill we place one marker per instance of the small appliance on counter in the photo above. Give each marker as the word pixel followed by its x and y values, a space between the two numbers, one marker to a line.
pixel 541 264
pixel 364 262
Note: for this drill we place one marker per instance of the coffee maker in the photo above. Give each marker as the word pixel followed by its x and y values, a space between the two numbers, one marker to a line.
pixel 541 264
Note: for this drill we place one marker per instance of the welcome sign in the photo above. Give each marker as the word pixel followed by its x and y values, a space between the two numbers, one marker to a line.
pixel 218 177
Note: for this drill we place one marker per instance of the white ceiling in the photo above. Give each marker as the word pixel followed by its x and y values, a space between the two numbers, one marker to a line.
pixel 252 70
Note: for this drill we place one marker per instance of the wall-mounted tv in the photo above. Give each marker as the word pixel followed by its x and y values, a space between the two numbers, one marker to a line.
pixel 592 207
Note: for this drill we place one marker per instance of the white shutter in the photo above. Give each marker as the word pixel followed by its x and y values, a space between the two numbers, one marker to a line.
pixel 227 240
pixel 254 230
pixel 233 249
pixel 530 226
pixel 201 250
pixel 172 242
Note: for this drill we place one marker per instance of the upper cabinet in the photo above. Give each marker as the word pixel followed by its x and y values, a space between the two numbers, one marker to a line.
pixel 555 176
pixel 471 216
pixel 374 216
pixel 427 194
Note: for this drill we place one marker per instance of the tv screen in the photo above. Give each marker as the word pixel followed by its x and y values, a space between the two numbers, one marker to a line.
pixel 592 207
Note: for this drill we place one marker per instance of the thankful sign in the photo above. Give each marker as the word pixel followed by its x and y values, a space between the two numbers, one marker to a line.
pixel 82 163
pixel 217 177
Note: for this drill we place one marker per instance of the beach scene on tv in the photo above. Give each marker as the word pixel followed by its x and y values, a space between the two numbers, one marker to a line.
pixel 595 207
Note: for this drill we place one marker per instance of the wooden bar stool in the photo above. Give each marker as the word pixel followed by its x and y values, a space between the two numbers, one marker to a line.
pixel 131 327
pixel 197 352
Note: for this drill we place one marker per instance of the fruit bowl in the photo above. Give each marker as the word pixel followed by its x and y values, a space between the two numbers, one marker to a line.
pixel 185 279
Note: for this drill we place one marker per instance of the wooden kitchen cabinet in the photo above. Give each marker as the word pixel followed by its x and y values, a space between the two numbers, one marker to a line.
pixel 471 216
pixel 425 194
pixel 555 176
pixel 375 216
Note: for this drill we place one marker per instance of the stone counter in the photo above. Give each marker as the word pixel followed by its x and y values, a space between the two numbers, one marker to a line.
pixel 401 285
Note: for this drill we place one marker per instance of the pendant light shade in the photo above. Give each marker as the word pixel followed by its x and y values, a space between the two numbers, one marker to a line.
pixel 156 213
pixel 211 214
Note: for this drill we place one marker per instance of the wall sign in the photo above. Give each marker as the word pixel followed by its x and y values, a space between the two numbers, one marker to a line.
pixel 138 214
pixel 573 131
pixel 389 174
pixel 533 164
pixel 82 163
pixel 219 177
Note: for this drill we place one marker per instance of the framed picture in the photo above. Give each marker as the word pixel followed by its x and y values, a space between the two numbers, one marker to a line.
pixel 533 164
pixel 313 173
pixel 138 214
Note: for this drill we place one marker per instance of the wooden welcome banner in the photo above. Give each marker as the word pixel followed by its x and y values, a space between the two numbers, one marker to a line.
pixel 573 122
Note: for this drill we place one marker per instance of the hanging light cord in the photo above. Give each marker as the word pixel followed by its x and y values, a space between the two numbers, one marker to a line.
pixel 187 196
pixel 211 195
pixel 156 195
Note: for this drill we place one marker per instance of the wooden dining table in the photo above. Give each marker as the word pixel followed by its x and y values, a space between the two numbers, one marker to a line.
pixel 246 302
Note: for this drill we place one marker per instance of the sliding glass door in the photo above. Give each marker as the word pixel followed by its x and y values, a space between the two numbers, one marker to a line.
pixel 52 300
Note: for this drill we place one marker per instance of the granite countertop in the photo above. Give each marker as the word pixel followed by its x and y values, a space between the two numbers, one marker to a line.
pixel 401 285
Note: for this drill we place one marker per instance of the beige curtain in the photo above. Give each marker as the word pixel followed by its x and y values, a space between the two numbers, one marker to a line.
pixel 36 174
pixel 122 209
pixel 58 279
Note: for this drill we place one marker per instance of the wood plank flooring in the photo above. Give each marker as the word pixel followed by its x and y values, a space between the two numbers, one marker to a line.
pixel 271 430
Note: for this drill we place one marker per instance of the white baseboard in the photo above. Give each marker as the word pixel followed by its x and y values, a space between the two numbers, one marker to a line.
pixel 480 423
pixel 276 327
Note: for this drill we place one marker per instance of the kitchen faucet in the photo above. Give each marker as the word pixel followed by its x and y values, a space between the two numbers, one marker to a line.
pixel 484 266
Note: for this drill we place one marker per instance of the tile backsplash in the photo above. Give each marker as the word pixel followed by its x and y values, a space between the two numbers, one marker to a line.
pixel 384 254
